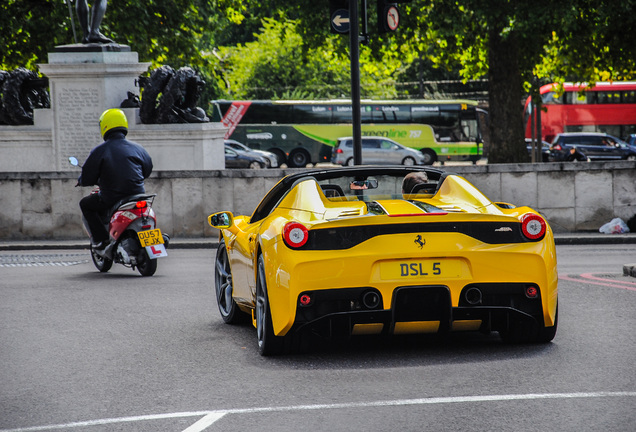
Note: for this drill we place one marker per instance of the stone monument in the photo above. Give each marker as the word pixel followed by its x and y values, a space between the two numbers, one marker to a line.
pixel 85 80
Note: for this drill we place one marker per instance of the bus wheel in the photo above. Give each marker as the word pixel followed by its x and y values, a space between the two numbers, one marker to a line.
pixel 429 156
pixel 298 159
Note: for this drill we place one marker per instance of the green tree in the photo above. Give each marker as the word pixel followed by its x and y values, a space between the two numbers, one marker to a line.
pixel 176 33
pixel 277 64
pixel 518 45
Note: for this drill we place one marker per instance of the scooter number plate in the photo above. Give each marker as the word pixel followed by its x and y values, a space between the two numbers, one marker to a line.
pixel 150 237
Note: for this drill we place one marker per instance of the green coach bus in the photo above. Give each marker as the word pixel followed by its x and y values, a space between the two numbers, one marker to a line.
pixel 304 132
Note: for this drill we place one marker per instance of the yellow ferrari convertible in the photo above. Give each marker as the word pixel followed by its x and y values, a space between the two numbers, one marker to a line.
pixel 385 250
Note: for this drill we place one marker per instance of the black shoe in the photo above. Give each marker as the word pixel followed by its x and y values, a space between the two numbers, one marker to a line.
pixel 98 246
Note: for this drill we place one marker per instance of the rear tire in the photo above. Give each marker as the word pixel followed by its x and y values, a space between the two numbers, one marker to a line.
pixel 349 162
pixel 145 265
pixel 255 165
pixel 268 343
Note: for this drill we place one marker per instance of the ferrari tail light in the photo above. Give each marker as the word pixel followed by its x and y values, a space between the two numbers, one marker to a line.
pixel 533 226
pixel 295 234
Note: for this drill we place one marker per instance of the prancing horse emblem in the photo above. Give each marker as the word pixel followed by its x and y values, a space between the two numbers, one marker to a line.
pixel 418 240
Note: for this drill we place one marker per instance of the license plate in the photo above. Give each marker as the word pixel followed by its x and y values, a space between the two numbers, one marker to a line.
pixel 418 269
pixel 150 237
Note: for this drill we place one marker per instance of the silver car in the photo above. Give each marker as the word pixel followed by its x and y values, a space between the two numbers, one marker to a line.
pixel 270 158
pixel 376 150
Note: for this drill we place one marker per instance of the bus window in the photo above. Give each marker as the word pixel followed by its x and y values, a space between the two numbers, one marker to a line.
pixel 312 114
pixel 344 114
pixel 551 98
pixel 469 126
pixel 425 114
pixel 259 113
pixel 391 114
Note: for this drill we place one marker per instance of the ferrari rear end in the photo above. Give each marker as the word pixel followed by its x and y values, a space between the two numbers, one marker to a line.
pixel 428 272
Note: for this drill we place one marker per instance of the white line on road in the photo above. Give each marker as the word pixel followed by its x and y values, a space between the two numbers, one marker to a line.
pixel 206 421
pixel 209 417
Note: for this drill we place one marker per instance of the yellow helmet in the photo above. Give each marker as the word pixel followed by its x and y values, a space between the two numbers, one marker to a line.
pixel 113 119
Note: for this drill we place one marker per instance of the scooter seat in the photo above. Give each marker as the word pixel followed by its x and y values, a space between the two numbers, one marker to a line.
pixel 138 197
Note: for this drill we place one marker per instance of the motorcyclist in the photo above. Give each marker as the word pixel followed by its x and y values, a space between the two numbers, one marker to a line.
pixel 118 166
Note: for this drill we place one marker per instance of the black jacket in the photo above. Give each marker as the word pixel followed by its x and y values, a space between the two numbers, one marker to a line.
pixel 118 167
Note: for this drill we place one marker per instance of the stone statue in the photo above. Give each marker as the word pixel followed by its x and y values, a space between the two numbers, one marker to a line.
pixel 170 96
pixel 21 91
pixel 90 20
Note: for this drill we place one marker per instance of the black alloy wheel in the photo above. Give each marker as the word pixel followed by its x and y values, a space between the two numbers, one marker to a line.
pixel 230 312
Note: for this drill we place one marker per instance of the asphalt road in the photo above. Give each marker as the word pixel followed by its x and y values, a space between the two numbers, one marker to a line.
pixel 84 351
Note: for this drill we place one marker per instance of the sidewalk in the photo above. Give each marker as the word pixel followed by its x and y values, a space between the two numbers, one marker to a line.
pixel 582 238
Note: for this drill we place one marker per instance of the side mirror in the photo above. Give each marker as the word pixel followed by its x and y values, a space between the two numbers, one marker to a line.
pixel 221 220
pixel 73 160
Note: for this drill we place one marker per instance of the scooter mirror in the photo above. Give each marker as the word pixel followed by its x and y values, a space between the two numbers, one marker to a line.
pixel 73 160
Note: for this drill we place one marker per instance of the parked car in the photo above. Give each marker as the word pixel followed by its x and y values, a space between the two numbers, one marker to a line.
pixel 344 252
pixel 594 146
pixel 271 159
pixel 545 150
pixel 241 159
pixel 376 150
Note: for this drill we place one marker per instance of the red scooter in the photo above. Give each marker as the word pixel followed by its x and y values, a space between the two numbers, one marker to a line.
pixel 134 239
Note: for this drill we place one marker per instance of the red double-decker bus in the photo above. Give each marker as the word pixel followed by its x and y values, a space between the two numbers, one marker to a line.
pixel 608 107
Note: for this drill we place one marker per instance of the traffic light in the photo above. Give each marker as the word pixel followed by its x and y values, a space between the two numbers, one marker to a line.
pixel 388 16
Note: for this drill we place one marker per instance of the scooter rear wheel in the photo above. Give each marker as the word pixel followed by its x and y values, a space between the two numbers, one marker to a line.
pixel 103 264
pixel 145 265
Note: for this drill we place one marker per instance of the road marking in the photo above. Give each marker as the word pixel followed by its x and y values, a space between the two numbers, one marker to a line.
pixel 209 417
pixel 587 278
pixel 206 421
pixel 30 260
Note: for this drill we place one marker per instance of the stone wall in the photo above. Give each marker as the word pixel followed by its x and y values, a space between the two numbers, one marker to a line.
pixel 572 196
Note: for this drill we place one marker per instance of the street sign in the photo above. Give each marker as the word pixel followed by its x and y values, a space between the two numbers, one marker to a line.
pixel 340 21
pixel 392 18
